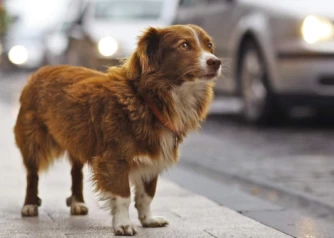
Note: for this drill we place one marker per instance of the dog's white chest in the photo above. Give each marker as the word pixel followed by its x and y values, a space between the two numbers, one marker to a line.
pixel 148 168
pixel 186 99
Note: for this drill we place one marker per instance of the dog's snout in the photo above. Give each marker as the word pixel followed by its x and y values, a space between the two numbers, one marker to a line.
pixel 214 63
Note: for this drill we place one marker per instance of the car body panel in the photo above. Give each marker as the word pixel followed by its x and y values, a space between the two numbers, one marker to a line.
pixel 31 39
pixel 293 65
pixel 85 32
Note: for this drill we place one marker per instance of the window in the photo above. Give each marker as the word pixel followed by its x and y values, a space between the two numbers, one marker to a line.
pixel 128 10
pixel 190 3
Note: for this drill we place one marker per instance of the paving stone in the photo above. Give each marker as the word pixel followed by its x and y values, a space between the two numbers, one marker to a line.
pixel 244 232
pixel 153 233
pixel 217 191
pixel 214 217
pixel 42 235
pixel 169 189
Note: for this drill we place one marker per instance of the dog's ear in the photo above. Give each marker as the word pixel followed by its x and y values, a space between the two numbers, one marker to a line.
pixel 148 50
pixel 147 56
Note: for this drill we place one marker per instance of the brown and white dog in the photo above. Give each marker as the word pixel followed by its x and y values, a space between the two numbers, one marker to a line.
pixel 126 124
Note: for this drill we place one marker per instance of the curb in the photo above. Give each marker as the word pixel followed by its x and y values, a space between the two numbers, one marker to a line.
pixel 307 200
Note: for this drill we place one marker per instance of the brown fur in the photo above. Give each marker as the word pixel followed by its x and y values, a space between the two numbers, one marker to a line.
pixel 101 118
pixel 151 186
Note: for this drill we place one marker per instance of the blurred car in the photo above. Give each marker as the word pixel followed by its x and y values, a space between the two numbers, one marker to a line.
pixel 106 31
pixel 1 55
pixel 281 53
pixel 23 47
pixel 57 44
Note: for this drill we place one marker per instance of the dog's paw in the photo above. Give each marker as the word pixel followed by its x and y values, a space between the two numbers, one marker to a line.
pixel 154 222
pixel 77 208
pixel 29 210
pixel 125 230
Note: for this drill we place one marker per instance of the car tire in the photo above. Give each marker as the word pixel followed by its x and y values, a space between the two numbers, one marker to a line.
pixel 259 102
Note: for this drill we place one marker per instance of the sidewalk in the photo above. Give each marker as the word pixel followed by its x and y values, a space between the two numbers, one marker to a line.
pixel 190 215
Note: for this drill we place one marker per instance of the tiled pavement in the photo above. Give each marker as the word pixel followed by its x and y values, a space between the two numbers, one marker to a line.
pixel 190 215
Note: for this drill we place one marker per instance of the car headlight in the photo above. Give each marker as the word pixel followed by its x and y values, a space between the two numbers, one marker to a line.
pixel 107 46
pixel 18 54
pixel 315 29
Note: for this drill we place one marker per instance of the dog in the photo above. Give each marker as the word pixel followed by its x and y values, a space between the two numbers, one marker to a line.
pixel 127 123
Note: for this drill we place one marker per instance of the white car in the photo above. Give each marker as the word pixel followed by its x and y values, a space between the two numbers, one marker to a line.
pixel 106 31
pixel 281 52
pixel 24 47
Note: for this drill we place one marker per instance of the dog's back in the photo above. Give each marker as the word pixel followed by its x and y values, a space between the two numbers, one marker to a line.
pixel 40 99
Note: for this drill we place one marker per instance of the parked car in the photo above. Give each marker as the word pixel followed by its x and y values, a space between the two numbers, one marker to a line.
pixel 23 47
pixel 106 31
pixel 24 44
pixel 281 53
pixel 57 44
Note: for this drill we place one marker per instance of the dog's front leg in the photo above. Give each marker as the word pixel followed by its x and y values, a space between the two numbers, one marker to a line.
pixel 145 191
pixel 112 179
pixel 120 211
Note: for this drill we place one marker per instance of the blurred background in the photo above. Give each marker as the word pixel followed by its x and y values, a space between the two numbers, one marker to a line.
pixel 270 129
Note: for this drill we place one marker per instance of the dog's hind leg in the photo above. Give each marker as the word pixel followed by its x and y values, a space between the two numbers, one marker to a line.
pixel 76 200
pixel 26 135
pixel 38 149
pixel 32 201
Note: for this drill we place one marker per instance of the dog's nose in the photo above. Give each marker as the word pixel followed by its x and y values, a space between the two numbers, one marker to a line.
pixel 214 63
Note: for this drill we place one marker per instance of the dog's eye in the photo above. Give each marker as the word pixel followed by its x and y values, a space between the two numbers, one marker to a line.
pixel 185 46
pixel 210 45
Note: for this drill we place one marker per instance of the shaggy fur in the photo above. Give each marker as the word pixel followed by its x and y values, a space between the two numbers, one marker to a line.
pixel 102 119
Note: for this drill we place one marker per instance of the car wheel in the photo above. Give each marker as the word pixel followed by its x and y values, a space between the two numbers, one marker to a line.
pixel 259 104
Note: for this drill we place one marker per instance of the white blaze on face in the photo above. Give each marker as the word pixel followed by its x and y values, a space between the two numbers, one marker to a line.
pixel 196 36
pixel 205 55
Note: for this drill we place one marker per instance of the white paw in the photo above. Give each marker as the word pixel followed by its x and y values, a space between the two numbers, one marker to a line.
pixel 125 229
pixel 29 210
pixel 79 208
pixel 154 222
pixel 121 222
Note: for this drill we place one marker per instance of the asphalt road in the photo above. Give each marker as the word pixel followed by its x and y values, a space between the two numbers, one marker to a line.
pixel 290 164
pixel 297 155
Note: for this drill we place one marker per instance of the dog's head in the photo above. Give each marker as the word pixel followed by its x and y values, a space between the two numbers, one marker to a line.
pixel 180 53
